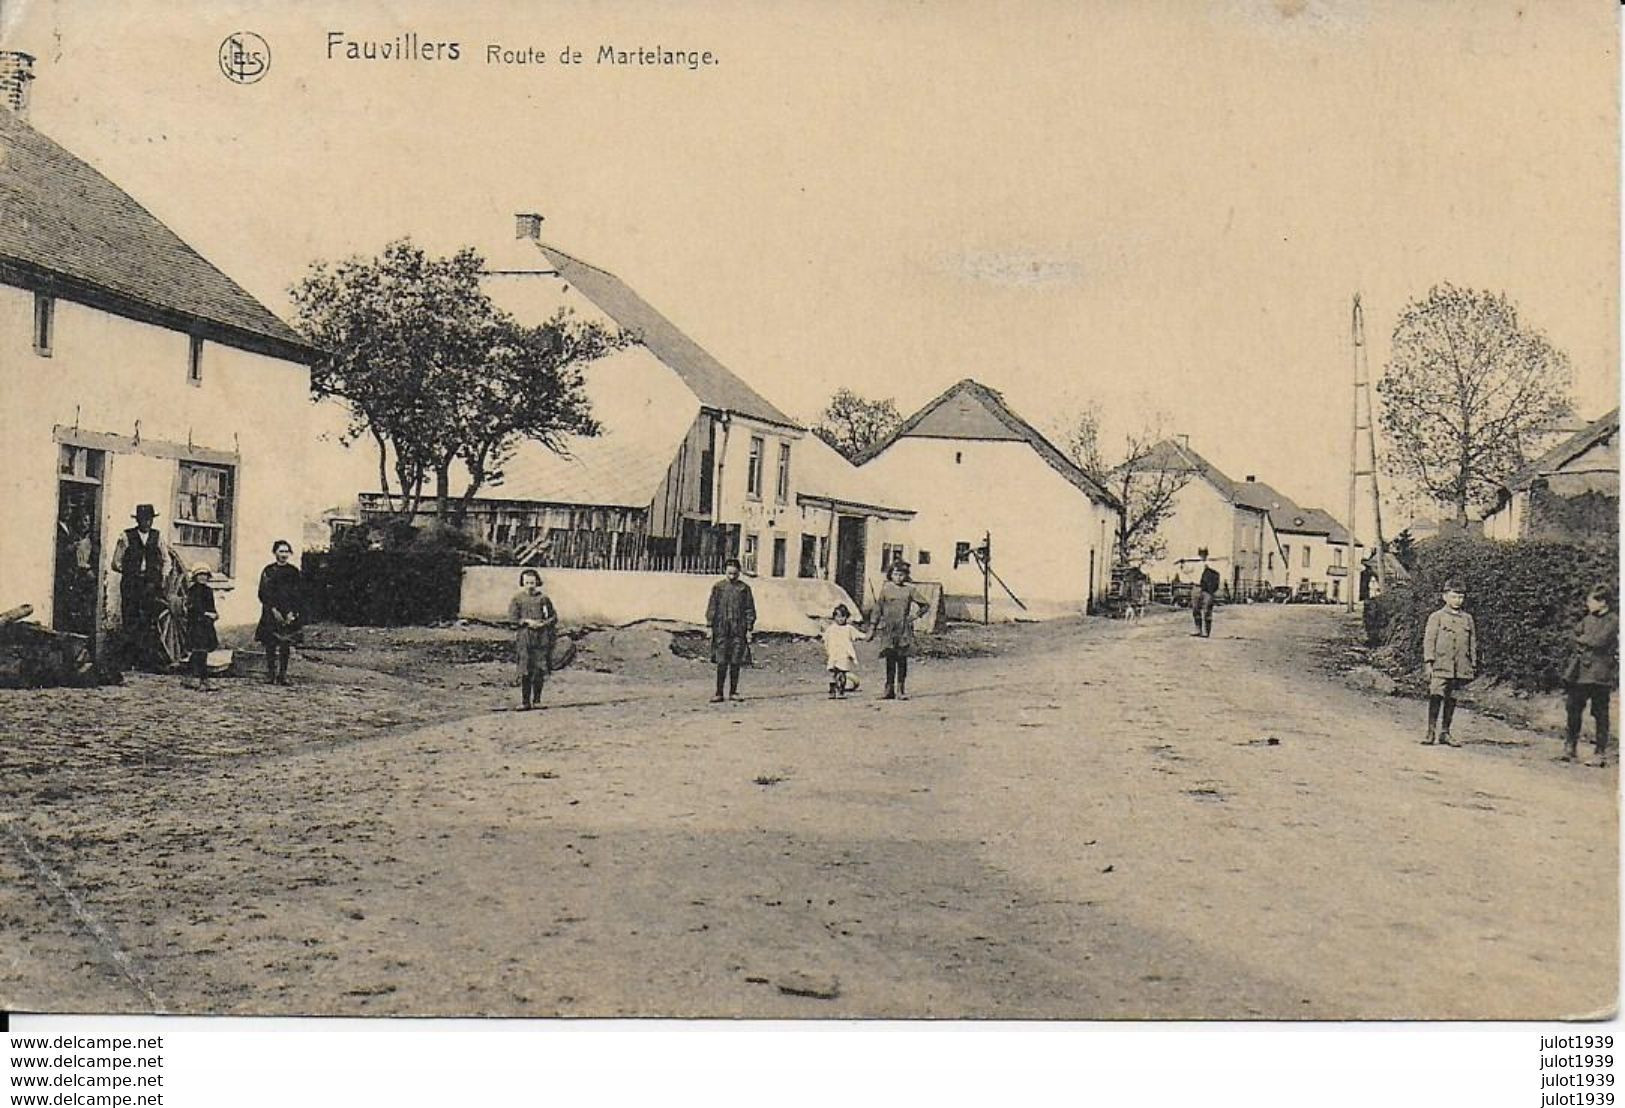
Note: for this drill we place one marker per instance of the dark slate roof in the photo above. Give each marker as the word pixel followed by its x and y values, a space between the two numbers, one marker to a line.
pixel 1566 451
pixel 1170 456
pixel 66 227
pixel 1257 494
pixel 971 410
pixel 716 386
pixel 1316 521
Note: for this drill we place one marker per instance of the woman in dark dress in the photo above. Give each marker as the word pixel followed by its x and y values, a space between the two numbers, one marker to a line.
pixel 281 606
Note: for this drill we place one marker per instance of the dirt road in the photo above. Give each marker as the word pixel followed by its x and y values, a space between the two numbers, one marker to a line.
pixel 1108 821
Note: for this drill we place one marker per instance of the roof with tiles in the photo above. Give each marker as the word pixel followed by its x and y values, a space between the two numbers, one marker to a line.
pixel 67 225
pixel 714 384
pixel 970 410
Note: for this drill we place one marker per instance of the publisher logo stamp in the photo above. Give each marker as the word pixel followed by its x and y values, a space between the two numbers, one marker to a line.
pixel 244 57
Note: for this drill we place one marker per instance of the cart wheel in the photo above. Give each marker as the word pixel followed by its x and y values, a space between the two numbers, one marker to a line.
pixel 169 637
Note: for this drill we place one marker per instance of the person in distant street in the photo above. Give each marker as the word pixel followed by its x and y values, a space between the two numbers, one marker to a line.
pixel 141 558
pixel 200 620
pixel 1203 597
pixel 536 623
pixel 281 605
pixel 731 615
pixel 841 652
pixel 1592 671
pixel 1450 660
pixel 892 624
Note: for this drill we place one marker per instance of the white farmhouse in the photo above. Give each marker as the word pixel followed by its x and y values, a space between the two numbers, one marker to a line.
pixel 692 466
pixel 131 371
pixel 1316 550
pixel 1228 519
pixel 975 471
pixel 1571 492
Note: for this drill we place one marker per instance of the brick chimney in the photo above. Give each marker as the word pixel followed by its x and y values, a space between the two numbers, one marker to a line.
pixel 16 74
pixel 527 225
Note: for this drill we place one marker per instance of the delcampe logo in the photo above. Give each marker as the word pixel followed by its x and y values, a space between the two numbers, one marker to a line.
pixel 244 57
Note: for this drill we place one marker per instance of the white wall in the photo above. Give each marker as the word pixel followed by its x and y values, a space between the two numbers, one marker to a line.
pixel 599 598
pixel 104 374
pixel 1321 559
pixel 1202 517
pixel 1043 527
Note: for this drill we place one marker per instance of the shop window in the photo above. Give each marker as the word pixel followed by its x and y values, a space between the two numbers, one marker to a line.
pixel 203 502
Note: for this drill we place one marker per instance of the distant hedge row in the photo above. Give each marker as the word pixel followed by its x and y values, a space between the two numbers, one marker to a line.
pixel 1526 597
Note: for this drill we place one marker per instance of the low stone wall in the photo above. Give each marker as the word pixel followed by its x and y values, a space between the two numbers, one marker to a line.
pixel 614 598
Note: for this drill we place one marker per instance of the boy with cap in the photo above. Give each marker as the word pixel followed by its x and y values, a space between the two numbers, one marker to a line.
pixel 1450 658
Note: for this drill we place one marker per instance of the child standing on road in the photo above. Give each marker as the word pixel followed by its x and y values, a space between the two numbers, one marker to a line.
pixel 731 615
pixel 893 624
pixel 200 618
pixel 1591 670
pixel 841 652
pixel 535 622
pixel 1450 658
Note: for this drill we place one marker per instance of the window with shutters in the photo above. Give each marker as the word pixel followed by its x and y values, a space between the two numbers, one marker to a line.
pixel 203 517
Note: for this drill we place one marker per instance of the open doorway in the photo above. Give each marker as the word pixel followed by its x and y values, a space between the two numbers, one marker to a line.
pixel 851 533
pixel 75 596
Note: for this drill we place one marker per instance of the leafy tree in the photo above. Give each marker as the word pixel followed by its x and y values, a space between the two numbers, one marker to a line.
pixel 852 424
pixel 1466 390
pixel 436 374
pixel 1138 476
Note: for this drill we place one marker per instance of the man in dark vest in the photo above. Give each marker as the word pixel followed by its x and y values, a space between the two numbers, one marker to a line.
pixel 1204 597
pixel 141 559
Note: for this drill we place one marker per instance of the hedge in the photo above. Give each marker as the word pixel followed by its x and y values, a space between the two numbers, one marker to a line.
pixel 409 577
pixel 1526 597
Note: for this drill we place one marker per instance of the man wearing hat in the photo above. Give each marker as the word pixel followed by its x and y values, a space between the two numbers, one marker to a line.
pixel 140 559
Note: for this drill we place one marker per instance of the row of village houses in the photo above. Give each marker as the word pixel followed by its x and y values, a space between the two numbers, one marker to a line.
pixel 134 371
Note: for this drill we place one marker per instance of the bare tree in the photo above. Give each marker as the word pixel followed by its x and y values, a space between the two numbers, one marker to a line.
pixel 852 424
pixel 1466 390
pixel 1145 477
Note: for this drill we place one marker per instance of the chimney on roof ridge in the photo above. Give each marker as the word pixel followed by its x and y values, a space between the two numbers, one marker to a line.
pixel 528 225
pixel 1184 441
pixel 1252 477
pixel 16 74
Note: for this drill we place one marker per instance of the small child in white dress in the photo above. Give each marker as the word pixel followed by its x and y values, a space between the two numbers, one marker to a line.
pixel 841 652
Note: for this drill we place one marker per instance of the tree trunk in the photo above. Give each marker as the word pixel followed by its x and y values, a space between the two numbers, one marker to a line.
pixel 442 495
pixel 383 473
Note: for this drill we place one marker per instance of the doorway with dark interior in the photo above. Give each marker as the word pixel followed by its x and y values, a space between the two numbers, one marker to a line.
pixel 851 533
pixel 78 541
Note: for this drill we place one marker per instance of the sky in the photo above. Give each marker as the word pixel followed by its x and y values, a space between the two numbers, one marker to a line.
pixel 1156 207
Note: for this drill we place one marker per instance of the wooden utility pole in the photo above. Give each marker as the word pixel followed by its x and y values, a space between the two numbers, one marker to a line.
pixel 987 571
pixel 1363 421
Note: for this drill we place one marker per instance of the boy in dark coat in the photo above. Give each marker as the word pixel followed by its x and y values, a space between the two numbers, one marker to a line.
pixel 731 614
pixel 1591 672
pixel 1204 597
pixel 1450 655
